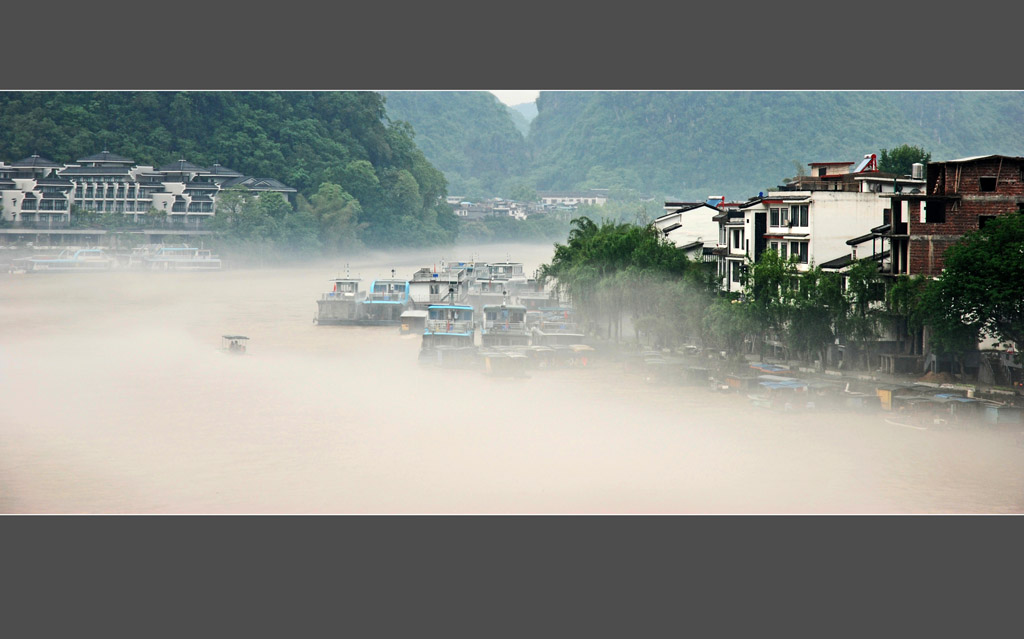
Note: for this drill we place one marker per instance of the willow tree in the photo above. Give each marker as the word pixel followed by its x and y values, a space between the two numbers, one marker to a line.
pixel 612 270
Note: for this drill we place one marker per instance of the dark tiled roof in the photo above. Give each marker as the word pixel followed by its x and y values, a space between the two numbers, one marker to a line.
pixel 860 239
pixel 839 262
pixel 95 170
pixel 35 161
pixel 180 165
pixel 106 156
pixel 258 184
pixel 217 169
pixel 846 260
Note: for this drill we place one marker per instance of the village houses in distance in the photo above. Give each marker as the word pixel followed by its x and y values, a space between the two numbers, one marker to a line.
pixel 835 214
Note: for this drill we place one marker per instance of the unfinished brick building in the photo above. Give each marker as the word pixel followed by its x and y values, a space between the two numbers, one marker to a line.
pixel 960 197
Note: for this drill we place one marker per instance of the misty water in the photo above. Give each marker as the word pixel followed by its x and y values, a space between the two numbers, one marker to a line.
pixel 116 399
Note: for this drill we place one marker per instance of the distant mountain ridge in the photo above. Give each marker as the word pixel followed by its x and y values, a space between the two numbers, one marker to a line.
pixel 688 144
pixel 468 135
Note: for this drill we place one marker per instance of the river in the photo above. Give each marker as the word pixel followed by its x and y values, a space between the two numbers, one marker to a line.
pixel 116 399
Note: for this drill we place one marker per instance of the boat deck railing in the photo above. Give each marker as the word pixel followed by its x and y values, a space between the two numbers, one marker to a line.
pixel 448 326
pixel 385 297
pixel 498 326
pixel 340 295
pixel 553 328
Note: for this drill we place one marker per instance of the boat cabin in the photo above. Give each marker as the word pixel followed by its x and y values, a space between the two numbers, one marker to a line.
pixel 504 325
pixel 340 305
pixel 413 322
pixel 449 325
pixel 557 326
pixel 345 288
pixel 385 302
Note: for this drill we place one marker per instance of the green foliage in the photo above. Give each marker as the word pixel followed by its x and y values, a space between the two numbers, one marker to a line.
pixel 692 144
pixel 901 159
pixel 469 135
pixel 304 139
pixel 982 285
pixel 616 269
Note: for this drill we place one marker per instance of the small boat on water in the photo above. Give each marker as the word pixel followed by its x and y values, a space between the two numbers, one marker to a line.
pixel 233 344
pixel 413 322
pixel 505 362
pixel 775 392
pixel 342 304
pixel 68 260
pixel 174 258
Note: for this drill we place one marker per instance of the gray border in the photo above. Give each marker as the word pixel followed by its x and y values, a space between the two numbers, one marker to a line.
pixel 514 575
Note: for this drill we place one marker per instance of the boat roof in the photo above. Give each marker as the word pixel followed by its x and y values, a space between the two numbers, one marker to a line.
pixel 518 307
pixel 414 314
pixel 235 337
pixel 458 306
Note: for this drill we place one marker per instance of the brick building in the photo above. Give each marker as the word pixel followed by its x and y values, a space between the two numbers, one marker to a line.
pixel 960 197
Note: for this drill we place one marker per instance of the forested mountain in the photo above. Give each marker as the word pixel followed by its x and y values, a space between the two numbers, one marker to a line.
pixel 382 186
pixel 518 119
pixel 382 156
pixel 691 144
pixel 467 134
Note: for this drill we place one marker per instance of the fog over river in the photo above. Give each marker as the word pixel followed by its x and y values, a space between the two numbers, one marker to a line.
pixel 116 399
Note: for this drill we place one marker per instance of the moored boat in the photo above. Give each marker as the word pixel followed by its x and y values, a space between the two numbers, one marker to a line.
pixel 68 260
pixel 341 305
pixel 385 302
pixel 503 325
pixel 449 336
pixel 174 258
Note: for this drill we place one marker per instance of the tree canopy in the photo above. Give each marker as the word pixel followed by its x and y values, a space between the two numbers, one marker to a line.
pixel 981 287
pixel 304 139
pixel 901 159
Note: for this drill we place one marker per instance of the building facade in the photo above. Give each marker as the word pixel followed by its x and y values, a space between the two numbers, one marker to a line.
pixel 961 196
pixel 38 192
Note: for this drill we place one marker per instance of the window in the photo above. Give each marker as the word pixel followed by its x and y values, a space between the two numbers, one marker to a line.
pixel 799 249
pixel 735 266
pixel 775 246
pixel 784 213
pixel 775 217
pixel 737 239
pixel 984 219
pixel 784 247
pixel 987 183
pixel 934 212
pixel 800 215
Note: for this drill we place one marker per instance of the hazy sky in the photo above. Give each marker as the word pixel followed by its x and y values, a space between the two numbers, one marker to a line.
pixel 513 98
